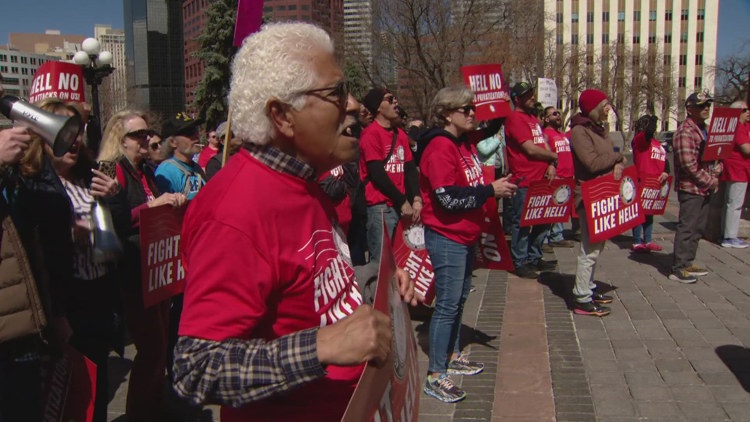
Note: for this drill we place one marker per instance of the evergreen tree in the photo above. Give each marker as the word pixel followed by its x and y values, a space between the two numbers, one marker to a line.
pixel 217 53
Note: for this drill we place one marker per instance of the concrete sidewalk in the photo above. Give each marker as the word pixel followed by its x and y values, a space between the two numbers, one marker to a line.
pixel 668 351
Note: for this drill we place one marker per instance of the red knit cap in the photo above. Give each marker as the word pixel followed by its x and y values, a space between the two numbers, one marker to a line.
pixel 589 99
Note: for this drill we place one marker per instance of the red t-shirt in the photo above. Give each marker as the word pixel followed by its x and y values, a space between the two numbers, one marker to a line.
pixel 446 163
pixel 521 127
pixel 648 155
pixel 374 145
pixel 559 143
pixel 206 155
pixel 344 205
pixel 263 268
pixel 737 167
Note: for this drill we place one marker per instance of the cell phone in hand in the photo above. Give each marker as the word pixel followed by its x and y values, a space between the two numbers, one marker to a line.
pixel 108 168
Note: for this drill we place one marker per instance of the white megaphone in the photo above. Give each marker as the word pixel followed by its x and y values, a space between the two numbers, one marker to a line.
pixel 60 132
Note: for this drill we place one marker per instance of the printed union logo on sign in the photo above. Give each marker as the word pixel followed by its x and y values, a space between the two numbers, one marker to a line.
pixel 654 195
pixel 547 202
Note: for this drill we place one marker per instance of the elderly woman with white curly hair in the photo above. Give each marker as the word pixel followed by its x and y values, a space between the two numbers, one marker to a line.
pixel 273 326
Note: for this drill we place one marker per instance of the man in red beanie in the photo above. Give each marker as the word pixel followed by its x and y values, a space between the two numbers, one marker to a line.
pixel 529 159
pixel 387 169
pixel 593 156
pixel 696 181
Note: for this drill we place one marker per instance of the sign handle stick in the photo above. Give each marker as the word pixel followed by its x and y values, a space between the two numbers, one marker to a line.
pixel 227 138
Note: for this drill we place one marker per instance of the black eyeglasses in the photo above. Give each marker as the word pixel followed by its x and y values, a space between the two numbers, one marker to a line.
pixel 467 109
pixel 142 134
pixel 337 94
pixel 155 146
pixel 556 113
pixel 744 110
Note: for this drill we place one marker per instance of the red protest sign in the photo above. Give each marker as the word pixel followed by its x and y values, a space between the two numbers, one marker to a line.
pixel 654 195
pixel 493 252
pixel 58 79
pixel 548 203
pixel 69 388
pixel 410 255
pixel 162 274
pixel 389 392
pixel 612 206
pixel 491 95
pixel 249 19
pixel 721 133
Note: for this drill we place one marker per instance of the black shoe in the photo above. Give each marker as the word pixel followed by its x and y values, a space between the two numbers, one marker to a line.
pixel 591 308
pixel 547 248
pixel 525 271
pixel 600 298
pixel 543 265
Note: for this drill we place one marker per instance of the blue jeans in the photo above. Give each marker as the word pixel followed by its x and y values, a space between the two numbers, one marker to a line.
pixel 526 242
pixel 642 233
pixel 452 263
pixel 375 216
pixel 556 233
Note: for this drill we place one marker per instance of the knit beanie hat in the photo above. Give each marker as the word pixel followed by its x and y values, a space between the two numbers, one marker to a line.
pixel 589 99
pixel 373 99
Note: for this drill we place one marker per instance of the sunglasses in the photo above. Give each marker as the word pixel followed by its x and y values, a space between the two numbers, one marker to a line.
pixel 556 113
pixel 142 134
pixel 337 94
pixel 155 146
pixel 467 109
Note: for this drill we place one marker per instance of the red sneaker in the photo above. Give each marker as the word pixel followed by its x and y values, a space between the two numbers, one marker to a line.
pixel 639 247
pixel 652 246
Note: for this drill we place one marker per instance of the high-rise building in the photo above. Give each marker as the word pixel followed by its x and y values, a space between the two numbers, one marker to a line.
pixel 194 21
pixel 328 14
pixel 113 91
pixel 621 43
pixel 51 43
pixel 154 52
pixel 17 70
pixel 358 31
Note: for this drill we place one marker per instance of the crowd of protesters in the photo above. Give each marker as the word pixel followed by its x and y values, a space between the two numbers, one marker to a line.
pixel 297 198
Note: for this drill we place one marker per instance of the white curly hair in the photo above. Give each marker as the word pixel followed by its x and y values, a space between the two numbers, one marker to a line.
pixel 274 62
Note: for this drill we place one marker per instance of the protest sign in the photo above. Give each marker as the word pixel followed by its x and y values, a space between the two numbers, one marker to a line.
pixel 69 388
pixel 492 252
pixel 548 202
pixel 162 274
pixel 721 133
pixel 546 92
pixel 491 95
pixel 410 255
pixel 58 79
pixel 248 20
pixel 389 392
pixel 654 195
pixel 612 206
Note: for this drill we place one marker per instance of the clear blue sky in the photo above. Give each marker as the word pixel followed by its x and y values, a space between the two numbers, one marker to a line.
pixel 79 16
pixel 75 17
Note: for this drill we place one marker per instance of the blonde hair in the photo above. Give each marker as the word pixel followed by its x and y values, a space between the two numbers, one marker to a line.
pixel 447 99
pixel 114 132
pixel 32 161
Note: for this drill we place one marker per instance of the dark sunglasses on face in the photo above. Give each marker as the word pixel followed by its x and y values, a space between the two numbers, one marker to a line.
pixel 338 94
pixel 142 134
pixel 556 113
pixel 467 109
pixel 155 146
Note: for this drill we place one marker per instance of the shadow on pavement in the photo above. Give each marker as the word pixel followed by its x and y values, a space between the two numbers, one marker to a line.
pixel 661 261
pixel 469 336
pixel 561 285
pixel 117 371
pixel 737 359
pixel 669 225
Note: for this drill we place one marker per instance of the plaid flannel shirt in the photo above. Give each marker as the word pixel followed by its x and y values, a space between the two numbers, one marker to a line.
pixel 235 372
pixel 693 176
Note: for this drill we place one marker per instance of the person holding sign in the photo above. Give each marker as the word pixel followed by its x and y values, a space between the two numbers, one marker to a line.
pixel 736 175
pixel 560 144
pixel 593 156
pixel 273 326
pixel 125 142
pixel 454 192
pixel 530 159
pixel 650 159
pixel 387 170
pixel 696 182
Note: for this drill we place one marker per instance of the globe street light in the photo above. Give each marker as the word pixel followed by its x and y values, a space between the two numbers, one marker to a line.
pixel 96 66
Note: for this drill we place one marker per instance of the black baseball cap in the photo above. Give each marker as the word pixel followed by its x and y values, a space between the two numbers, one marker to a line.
pixel 697 99
pixel 179 124
pixel 520 89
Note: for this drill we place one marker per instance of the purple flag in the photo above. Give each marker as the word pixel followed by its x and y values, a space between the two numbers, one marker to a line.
pixel 249 19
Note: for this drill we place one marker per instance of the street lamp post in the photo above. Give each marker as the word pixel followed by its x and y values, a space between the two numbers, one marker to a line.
pixel 96 66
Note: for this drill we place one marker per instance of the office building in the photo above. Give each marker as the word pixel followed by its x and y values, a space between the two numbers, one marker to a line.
pixel 113 91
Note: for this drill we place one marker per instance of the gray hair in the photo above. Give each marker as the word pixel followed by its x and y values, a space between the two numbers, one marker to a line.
pixel 449 98
pixel 738 104
pixel 275 62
